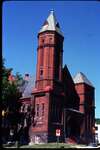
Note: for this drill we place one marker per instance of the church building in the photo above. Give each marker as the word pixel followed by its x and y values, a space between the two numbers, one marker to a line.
pixel 58 100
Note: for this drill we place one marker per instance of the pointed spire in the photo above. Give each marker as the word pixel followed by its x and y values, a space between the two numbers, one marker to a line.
pixel 81 78
pixel 51 24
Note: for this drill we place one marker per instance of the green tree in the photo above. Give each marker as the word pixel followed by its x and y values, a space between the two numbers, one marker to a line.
pixel 10 97
pixel 97 120
pixel 10 90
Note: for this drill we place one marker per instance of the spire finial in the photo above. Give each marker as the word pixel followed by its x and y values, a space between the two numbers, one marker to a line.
pixel 52 11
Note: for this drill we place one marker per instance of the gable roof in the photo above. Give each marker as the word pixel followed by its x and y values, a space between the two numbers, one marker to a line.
pixel 28 89
pixel 67 75
pixel 81 78
pixel 51 24
pixel 22 85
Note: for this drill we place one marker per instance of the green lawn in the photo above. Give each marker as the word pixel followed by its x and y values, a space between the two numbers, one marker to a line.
pixel 49 145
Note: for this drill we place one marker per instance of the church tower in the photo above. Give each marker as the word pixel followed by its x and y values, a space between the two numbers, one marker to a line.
pixel 47 99
pixel 49 53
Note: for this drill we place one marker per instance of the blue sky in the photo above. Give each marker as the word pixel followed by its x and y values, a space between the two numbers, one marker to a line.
pixel 80 24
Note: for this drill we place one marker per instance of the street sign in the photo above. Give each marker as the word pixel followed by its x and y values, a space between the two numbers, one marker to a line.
pixel 57 132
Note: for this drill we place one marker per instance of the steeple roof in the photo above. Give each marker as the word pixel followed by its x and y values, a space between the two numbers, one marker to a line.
pixel 81 78
pixel 51 24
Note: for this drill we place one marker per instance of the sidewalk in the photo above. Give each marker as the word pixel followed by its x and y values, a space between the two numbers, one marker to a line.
pixel 86 147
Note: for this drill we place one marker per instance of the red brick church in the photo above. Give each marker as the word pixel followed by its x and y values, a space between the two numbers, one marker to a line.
pixel 58 100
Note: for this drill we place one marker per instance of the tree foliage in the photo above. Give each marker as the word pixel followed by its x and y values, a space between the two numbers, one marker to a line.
pixel 13 120
pixel 10 91
pixel 97 120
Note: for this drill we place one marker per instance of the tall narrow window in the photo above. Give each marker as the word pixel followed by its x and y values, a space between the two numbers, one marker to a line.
pixel 50 41
pixel 37 110
pixel 41 57
pixel 42 109
pixel 42 41
pixel 41 62
pixel 41 73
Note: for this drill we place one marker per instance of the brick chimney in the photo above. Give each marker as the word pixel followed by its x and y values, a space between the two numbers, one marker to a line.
pixel 26 77
pixel 11 78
